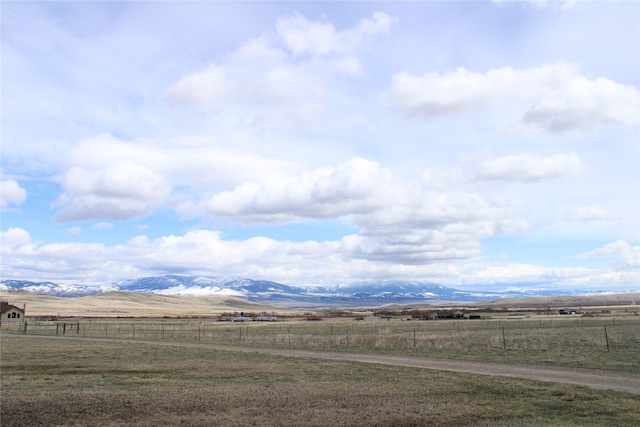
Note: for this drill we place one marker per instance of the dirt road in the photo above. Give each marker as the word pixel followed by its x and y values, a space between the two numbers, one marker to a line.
pixel 597 379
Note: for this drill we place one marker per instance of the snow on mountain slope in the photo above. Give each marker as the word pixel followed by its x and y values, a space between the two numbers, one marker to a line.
pixel 263 291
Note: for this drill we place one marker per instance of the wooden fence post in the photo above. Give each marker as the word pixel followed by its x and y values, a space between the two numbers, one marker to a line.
pixel 504 340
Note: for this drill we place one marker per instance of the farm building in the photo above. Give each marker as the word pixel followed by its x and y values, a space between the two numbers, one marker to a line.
pixel 10 313
pixel 386 316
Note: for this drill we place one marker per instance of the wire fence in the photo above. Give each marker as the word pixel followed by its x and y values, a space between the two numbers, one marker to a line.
pixel 579 334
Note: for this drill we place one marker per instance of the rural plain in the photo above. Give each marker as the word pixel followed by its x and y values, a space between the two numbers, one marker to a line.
pixel 198 371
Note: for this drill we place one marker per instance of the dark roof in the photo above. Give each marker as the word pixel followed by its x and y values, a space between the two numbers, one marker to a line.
pixel 5 306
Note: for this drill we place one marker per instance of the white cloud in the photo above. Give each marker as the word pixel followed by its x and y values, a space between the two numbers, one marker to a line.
pixel 589 213
pixel 530 167
pixel 12 239
pixel 300 35
pixel 205 252
pixel 581 103
pixel 122 191
pixel 283 93
pixel 627 256
pixel 11 193
pixel 520 276
pixel 264 84
pixel 198 252
pixel 202 86
pixel 401 221
pixel 355 186
pixel 107 178
pixel 554 98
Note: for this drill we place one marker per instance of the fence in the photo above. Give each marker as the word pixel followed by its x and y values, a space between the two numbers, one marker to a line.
pixel 605 334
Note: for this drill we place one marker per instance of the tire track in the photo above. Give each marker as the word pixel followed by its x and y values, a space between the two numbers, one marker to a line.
pixel 597 379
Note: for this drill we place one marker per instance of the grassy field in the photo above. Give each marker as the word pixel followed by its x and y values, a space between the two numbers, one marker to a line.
pixel 81 383
pixel 600 343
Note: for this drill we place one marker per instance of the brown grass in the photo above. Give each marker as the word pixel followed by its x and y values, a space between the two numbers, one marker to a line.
pixel 563 340
pixel 59 382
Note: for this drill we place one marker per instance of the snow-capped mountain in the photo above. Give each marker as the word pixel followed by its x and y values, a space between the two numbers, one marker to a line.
pixel 57 289
pixel 263 291
pixel 188 285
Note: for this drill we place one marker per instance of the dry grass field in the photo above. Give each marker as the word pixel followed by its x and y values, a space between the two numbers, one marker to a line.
pixel 46 381
pixel 611 343
pixel 131 304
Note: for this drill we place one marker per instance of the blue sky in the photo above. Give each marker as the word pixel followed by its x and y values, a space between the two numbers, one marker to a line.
pixel 480 145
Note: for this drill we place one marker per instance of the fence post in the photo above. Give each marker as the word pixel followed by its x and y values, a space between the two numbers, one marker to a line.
pixel 606 337
pixel 414 337
pixel 504 340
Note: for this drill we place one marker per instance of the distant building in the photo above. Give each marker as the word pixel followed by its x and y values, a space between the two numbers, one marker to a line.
pixel 243 319
pixel 10 313
pixel 266 318
pixel 386 316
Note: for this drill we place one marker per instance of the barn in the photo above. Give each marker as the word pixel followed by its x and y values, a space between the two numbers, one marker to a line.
pixel 10 313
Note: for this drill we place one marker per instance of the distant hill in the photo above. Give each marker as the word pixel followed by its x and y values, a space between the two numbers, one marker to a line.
pixel 268 292
pixel 133 304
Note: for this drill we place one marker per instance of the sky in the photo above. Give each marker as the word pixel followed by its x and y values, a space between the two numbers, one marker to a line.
pixel 481 145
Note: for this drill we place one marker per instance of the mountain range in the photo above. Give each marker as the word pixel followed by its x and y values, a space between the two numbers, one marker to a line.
pixel 268 292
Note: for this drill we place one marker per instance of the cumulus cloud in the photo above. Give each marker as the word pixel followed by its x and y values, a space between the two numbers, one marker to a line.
pixel 553 98
pixel 12 239
pixel 530 167
pixel 121 191
pixel 300 35
pixel 579 103
pixel 401 221
pixel 268 80
pixel 196 252
pixel 352 187
pixel 106 178
pixel 205 252
pixel 11 193
pixel 286 93
pixel 627 256
pixel 201 86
